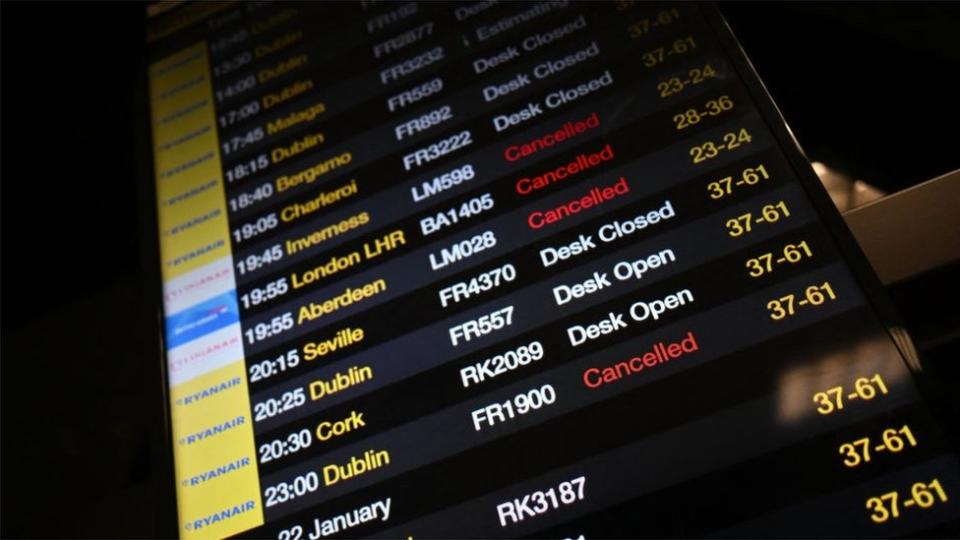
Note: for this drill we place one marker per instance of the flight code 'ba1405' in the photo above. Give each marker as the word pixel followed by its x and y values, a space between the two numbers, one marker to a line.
pixel 452 216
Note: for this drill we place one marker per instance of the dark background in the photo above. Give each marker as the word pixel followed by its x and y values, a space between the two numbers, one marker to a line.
pixel 869 89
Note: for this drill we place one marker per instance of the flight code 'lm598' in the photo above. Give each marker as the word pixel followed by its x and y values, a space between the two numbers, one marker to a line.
pixel 442 182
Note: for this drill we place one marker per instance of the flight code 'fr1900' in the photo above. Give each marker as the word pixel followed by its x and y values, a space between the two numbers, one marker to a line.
pixel 519 405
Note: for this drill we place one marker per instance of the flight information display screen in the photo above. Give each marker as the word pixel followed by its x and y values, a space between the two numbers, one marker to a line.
pixel 510 269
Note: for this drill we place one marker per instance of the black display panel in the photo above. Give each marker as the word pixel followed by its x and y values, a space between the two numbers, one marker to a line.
pixel 514 269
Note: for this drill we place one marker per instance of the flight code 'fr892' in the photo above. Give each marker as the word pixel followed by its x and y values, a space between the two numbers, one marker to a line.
pixel 519 405
pixel 831 400
pixel 501 363
pixel 481 326
pixel 541 502
pixel 481 283
pixel 423 122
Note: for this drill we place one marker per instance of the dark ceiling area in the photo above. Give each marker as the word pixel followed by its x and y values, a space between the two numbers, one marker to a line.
pixel 869 89
pixel 866 87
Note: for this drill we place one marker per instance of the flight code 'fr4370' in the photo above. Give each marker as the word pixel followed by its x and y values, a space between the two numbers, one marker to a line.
pixel 478 284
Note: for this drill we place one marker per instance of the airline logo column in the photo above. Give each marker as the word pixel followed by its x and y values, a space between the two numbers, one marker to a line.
pixel 216 465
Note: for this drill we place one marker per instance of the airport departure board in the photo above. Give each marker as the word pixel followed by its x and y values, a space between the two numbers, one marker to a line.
pixel 499 269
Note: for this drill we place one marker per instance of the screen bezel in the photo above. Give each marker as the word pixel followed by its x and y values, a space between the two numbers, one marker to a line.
pixel 161 451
